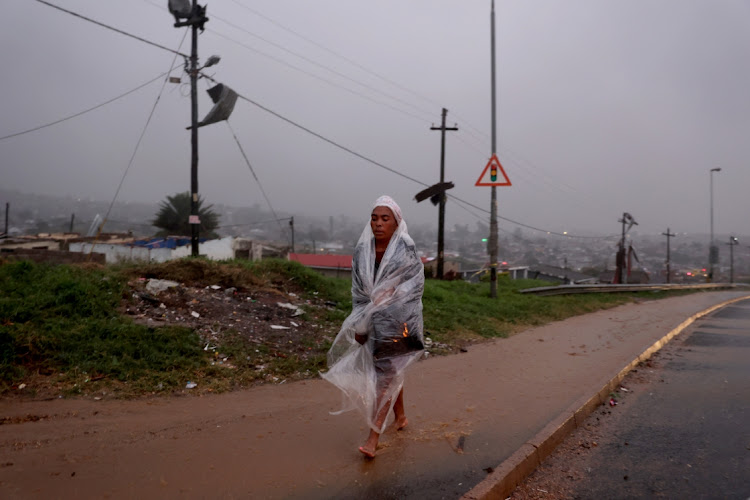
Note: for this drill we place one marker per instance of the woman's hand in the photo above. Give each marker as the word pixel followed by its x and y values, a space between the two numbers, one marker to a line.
pixel 361 339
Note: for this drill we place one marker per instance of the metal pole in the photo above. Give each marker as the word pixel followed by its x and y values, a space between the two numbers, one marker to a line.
pixel 7 210
pixel 711 245
pixel 731 259
pixel 713 250
pixel 194 227
pixel 72 220
pixel 493 201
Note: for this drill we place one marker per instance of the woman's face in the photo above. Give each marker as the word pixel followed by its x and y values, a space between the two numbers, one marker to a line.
pixel 383 224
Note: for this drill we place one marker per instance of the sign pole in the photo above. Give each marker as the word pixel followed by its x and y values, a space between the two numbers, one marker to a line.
pixel 493 202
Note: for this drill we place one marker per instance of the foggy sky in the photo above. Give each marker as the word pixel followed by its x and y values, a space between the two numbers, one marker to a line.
pixel 604 107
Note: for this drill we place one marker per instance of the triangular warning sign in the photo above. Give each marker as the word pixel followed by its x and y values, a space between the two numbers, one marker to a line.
pixel 493 174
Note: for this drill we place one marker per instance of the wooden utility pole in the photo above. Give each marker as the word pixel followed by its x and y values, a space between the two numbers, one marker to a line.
pixel 441 216
pixel 291 225
pixel 669 270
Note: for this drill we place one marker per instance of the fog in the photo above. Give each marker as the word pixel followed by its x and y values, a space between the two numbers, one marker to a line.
pixel 604 107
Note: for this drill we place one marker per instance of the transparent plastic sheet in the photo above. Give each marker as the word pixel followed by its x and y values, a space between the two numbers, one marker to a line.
pixel 387 309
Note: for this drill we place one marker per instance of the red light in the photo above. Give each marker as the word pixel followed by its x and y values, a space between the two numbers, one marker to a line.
pixel 703 270
pixel 689 273
pixel 505 263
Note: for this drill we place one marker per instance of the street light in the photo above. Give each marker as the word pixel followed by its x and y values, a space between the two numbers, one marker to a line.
pixel 713 251
pixel 733 240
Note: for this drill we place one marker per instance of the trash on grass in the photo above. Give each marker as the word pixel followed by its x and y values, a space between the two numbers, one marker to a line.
pixel 612 402
pixel 191 385
pixel 279 327
pixel 286 305
pixel 195 314
pixel 156 286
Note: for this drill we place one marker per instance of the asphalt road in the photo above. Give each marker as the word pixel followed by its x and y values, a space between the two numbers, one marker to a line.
pixel 687 433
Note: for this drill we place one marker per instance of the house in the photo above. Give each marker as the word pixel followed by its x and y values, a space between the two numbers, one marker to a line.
pixel 335 266
pixel 175 247
pixel 451 268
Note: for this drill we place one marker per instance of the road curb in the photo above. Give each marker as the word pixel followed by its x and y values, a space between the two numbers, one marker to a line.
pixel 501 482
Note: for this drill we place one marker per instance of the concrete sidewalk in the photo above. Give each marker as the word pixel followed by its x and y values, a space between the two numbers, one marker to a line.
pixel 490 409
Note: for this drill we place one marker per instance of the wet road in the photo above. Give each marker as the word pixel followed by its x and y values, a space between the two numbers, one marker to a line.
pixel 686 435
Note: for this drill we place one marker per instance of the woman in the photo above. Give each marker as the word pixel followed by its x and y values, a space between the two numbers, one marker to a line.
pixel 383 333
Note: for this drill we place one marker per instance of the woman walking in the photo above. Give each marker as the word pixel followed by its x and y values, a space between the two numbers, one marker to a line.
pixel 383 334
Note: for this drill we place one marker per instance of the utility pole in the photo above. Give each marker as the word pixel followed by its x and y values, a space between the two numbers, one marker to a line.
pixel 291 225
pixel 7 210
pixel 72 220
pixel 669 271
pixel 620 259
pixel 194 217
pixel 441 216
pixel 493 200
pixel 195 17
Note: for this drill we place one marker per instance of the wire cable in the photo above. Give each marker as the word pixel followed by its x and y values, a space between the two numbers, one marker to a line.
pixel 112 28
pixel 334 53
pixel 385 167
pixel 84 111
pixel 255 223
pixel 315 63
pixel 252 170
pixel 138 144
pixel 317 77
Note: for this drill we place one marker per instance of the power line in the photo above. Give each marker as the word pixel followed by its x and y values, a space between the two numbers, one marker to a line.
pixel 317 77
pixel 140 138
pixel 330 51
pixel 255 223
pixel 84 111
pixel 112 28
pixel 315 63
pixel 385 167
pixel 256 177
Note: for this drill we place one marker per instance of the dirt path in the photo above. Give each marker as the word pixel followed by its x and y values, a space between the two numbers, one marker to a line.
pixel 468 412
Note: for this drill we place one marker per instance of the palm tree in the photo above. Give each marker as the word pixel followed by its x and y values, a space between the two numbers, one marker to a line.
pixel 173 217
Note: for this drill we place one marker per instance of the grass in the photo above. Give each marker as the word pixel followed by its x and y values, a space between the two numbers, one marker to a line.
pixel 63 324
pixel 65 320
pixel 455 310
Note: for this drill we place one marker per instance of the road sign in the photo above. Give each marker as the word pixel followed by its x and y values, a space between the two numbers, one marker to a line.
pixel 491 174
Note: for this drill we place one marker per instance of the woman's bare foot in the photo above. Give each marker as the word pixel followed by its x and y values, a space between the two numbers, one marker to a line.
pixel 367 452
pixel 401 423
pixel 368 449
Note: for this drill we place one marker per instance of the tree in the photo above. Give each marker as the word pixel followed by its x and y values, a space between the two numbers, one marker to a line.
pixel 173 217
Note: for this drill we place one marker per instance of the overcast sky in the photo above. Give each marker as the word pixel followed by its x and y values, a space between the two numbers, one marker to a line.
pixel 603 107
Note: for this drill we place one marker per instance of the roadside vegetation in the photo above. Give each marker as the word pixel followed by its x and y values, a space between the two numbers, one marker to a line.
pixel 94 330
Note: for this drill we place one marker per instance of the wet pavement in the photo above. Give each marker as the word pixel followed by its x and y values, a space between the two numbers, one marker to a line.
pixel 468 412
pixel 686 433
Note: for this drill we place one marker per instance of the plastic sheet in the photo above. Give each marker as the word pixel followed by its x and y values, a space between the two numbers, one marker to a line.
pixel 387 310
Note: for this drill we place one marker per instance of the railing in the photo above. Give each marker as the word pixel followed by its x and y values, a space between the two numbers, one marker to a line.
pixel 568 289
